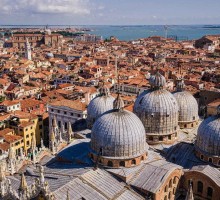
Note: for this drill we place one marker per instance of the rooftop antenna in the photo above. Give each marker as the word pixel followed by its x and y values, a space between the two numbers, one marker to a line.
pixel 166 30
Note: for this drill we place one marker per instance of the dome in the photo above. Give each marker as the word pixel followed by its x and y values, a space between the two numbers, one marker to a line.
pixel 157 81
pixel 158 110
pixel 99 105
pixel 119 135
pixel 188 107
pixel 208 138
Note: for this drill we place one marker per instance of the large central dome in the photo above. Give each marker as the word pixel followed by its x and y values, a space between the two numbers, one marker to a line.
pixel 118 137
pixel 158 110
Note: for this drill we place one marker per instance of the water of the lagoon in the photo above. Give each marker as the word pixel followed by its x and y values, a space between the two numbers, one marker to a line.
pixel 135 32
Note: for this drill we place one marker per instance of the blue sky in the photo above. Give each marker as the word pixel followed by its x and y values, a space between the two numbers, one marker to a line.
pixel 109 12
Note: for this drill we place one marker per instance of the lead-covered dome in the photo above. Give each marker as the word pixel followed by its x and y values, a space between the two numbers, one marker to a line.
pixel 158 110
pixel 118 136
pixel 188 107
pixel 207 143
pixel 99 105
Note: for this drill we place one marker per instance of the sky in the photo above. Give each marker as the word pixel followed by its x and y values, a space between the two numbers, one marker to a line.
pixel 109 12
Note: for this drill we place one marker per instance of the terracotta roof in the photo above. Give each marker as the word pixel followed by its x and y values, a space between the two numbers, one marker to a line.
pixel 76 105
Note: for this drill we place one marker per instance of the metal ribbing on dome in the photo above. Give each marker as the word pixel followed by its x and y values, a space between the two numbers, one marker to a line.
pixel 188 106
pixel 158 111
pixel 208 136
pixel 119 134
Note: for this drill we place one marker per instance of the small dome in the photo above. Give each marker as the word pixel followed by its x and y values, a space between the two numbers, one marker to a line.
pixel 157 81
pixel 119 135
pixel 208 137
pixel 188 106
pixel 99 105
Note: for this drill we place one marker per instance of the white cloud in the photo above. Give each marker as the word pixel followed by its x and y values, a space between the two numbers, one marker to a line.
pixel 79 7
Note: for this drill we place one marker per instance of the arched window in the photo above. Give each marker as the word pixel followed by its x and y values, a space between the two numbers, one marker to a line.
pixel 175 180
pixel 200 187
pixel 110 163
pixel 165 189
pixel 169 196
pixel 210 160
pixel 165 198
pixel 209 192
pixel 170 183
pixel 133 162
pixel 122 163
pixel 201 157
pixel 142 157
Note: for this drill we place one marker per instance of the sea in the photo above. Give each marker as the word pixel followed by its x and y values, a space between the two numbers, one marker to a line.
pixel 127 32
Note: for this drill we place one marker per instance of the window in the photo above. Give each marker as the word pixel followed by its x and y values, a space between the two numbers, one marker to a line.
pixel 160 138
pixel 202 157
pixel 64 112
pixel 26 129
pixel 59 124
pixel 65 125
pixel 31 127
pixel 165 189
pixel 79 115
pixel 28 143
pixel 151 138
pixel 199 187
pixel 133 162
pixel 51 110
pixel 210 160
pixel 169 196
pixel 58 111
pixel 122 163
pixel 169 137
pixel 170 183
pixel 209 192
pixel 71 114
pixel 110 163
pixel 40 127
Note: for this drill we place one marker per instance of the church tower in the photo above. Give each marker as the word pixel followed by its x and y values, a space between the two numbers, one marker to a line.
pixel 27 50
